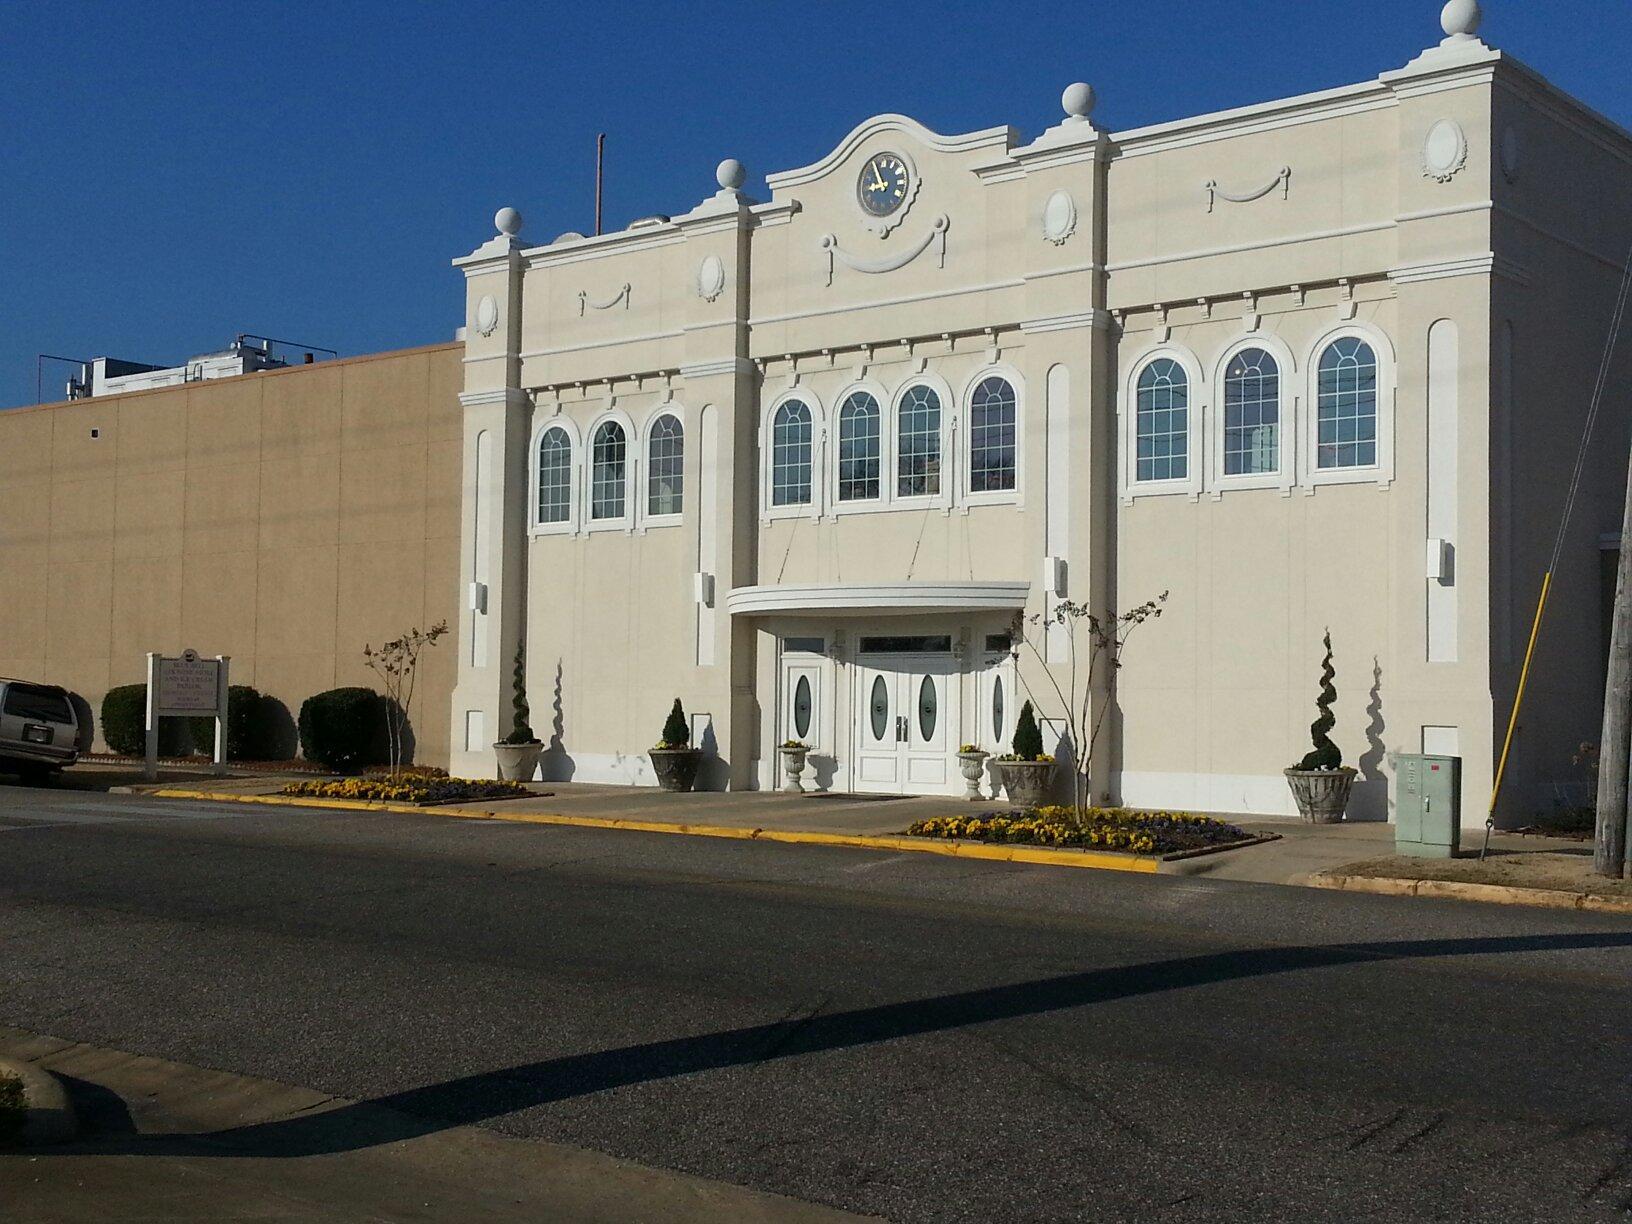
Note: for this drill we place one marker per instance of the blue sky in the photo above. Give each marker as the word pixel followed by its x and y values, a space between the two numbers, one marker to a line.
pixel 174 173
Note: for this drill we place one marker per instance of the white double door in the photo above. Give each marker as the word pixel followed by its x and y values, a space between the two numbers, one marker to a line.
pixel 906 725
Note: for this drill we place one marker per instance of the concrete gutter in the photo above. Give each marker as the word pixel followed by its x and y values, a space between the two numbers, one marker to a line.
pixel 49 1118
pixel 1096 860
pixel 1458 890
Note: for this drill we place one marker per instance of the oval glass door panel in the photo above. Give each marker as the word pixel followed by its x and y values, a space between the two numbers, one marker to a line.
pixel 927 710
pixel 997 709
pixel 801 708
pixel 881 708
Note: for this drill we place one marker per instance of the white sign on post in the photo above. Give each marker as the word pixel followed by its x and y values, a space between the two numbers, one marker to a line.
pixel 186 686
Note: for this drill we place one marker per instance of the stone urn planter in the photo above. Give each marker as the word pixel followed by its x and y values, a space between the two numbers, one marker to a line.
pixel 676 768
pixel 518 762
pixel 1026 782
pixel 1322 795
pixel 793 766
pixel 972 765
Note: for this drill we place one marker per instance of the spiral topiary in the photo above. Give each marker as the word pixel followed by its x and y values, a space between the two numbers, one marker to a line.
pixel 521 730
pixel 1326 754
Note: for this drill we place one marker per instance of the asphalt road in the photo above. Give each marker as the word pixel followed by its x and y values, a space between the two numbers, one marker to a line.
pixel 901 1035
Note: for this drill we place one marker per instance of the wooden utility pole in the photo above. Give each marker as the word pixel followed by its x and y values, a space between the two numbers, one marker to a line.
pixel 1610 848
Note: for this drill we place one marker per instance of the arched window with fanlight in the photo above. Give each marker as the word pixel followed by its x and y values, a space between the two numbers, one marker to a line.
pixel 554 476
pixel 1162 422
pixel 1346 405
pixel 1252 414
pixel 608 479
pixel 665 467
pixel 859 448
pixel 992 417
pixel 918 443
pixel 791 454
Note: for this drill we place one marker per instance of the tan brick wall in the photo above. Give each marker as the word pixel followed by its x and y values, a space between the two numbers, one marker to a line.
pixel 284 518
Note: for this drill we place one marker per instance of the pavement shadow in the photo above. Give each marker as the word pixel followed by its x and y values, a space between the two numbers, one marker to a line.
pixel 471 1099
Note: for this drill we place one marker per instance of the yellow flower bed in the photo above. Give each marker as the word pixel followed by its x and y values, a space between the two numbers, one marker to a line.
pixel 406 788
pixel 1090 829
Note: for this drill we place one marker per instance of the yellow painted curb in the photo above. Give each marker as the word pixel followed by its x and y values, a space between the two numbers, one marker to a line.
pixel 1462 890
pixel 956 849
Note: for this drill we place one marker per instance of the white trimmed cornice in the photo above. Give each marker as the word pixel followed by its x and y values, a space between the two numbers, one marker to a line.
pixel 595 344
pixel 1288 240
pixel 624 242
pixel 1092 318
pixel 1002 138
pixel 1244 120
pixel 717 367
pixel 879 599
pixel 512 397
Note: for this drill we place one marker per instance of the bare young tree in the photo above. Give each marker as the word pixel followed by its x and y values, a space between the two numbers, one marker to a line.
pixel 397 665
pixel 1095 644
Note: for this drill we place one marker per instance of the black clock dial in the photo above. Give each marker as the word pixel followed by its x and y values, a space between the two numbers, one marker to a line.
pixel 883 185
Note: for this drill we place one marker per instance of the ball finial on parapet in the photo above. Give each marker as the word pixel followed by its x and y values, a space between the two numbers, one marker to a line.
pixel 1460 19
pixel 508 222
pixel 730 175
pixel 1078 100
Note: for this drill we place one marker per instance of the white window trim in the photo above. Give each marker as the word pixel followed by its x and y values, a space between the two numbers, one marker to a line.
pixel 633 470
pixel 574 477
pixel 1287 431
pixel 1127 411
pixel 886 453
pixel 964 438
pixel 1380 473
pixel 668 408
pixel 930 501
pixel 818 467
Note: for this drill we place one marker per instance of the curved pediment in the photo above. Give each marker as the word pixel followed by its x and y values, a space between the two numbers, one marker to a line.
pixel 996 138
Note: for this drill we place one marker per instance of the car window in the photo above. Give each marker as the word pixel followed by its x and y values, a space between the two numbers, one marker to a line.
pixel 35 701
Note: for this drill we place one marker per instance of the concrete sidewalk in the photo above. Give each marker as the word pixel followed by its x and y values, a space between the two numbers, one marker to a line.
pixel 165 1141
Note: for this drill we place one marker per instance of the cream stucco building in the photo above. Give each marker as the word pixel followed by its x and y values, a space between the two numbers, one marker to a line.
pixel 1320 362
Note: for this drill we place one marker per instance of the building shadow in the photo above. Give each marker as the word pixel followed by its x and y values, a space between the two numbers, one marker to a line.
pixel 555 764
pixel 1369 802
pixel 470 1099
pixel 713 773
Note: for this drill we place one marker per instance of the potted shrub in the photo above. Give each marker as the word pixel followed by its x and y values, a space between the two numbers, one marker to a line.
pixel 793 765
pixel 519 751
pixel 674 760
pixel 972 765
pixel 1027 771
pixel 1321 783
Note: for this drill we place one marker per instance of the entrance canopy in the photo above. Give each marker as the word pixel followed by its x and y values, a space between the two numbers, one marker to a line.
pixel 878 599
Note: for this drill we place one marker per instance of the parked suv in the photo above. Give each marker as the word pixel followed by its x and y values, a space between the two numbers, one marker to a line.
pixel 39 733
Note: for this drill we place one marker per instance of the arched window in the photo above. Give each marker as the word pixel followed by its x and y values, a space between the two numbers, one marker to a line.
pixel 1346 405
pixel 554 476
pixel 991 437
pixel 1162 422
pixel 858 448
pixel 790 455
pixel 665 467
pixel 1252 414
pixel 608 465
pixel 918 444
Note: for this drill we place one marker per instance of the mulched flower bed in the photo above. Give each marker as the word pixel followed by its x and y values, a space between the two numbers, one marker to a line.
pixel 1090 829
pixel 421 788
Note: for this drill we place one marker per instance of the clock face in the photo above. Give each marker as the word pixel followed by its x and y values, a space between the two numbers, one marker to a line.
pixel 882 187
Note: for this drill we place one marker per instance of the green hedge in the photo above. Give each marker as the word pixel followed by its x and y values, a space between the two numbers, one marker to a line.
pixel 251 735
pixel 124 719
pixel 344 728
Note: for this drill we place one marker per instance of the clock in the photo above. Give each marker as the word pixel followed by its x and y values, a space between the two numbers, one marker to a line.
pixel 884 185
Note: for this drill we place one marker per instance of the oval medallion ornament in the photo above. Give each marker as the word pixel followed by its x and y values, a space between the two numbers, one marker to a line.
pixel 1511 153
pixel 487 315
pixel 1059 217
pixel 1445 151
pixel 710 278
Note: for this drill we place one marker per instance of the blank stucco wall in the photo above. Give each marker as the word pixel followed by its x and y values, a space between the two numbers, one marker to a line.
pixel 284 519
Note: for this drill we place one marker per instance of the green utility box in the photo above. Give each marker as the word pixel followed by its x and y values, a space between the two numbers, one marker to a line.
pixel 1427 805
